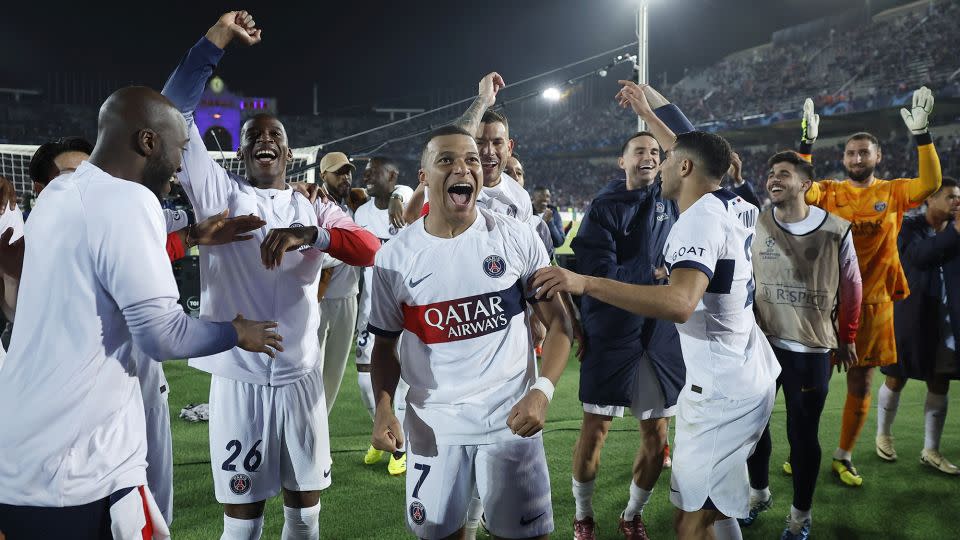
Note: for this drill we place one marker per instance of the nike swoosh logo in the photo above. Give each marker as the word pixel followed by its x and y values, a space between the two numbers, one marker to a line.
pixel 673 490
pixel 419 281
pixel 326 473
pixel 525 522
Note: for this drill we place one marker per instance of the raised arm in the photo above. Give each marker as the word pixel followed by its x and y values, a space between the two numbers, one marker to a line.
pixel 632 95
pixel 203 179
pixel 917 119
pixel 488 88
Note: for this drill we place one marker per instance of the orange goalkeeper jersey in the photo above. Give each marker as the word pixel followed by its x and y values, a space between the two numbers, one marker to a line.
pixel 876 215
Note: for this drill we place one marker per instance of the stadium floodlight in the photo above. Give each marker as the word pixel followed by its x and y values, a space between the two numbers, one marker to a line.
pixel 551 94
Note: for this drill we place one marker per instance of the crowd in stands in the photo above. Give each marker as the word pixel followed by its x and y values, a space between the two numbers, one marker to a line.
pixel 843 70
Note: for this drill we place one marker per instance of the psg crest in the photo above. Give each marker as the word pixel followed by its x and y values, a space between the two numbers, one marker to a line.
pixel 880 206
pixel 494 266
pixel 418 513
pixel 240 484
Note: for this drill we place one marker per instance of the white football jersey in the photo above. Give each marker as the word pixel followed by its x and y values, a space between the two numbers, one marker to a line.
pixel 723 348
pixel 73 422
pixel 459 305
pixel 507 197
pixel 234 280
pixel 376 221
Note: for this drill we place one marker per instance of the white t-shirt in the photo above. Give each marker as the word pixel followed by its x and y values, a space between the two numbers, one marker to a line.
pixel 459 304
pixel 376 221
pixel 724 350
pixel 234 280
pixel 507 197
pixel 73 427
pixel 10 219
pixel 847 254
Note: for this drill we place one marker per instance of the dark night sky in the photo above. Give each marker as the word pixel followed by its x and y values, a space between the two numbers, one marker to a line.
pixel 410 53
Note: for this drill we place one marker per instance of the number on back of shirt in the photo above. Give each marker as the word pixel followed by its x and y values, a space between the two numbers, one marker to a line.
pixel 251 462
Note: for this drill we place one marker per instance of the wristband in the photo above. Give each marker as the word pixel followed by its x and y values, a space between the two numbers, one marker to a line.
pixel 544 385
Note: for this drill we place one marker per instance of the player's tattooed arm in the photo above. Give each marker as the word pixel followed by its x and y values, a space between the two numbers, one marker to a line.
pixel 385 374
pixel 488 89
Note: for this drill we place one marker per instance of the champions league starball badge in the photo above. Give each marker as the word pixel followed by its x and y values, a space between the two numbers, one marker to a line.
pixel 240 484
pixel 494 266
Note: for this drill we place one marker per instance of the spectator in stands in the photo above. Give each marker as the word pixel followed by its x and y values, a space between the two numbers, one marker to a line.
pixel 549 213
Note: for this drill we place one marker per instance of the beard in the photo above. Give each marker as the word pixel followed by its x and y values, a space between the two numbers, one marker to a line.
pixel 156 175
pixel 861 175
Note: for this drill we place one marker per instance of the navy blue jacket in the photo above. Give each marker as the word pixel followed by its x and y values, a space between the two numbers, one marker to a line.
pixel 622 238
pixel 918 318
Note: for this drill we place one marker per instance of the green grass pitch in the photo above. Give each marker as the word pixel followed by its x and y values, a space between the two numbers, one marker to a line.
pixel 902 500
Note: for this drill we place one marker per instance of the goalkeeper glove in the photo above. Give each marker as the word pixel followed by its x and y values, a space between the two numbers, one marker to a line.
pixel 810 123
pixel 917 118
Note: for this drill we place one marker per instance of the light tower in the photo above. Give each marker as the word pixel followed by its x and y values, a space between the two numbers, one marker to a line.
pixel 642 65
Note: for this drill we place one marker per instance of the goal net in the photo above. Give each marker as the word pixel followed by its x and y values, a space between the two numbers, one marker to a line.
pixel 15 163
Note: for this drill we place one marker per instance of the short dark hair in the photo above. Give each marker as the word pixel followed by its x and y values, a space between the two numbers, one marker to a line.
pixel 863 136
pixel 626 143
pixel 516 156
pixel 711 150
pixel 947 182
pixel 789 156
pixel 42 167
pixel 540 188
pixel 442 131
pixel 490 117
pixel 386 161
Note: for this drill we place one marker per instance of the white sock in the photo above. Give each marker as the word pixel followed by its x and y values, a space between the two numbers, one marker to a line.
pixel 474 511
pixel 301 523
pixel 757 495
pixel 366 392
pixel 241 529
pixel 799 515
pixel 842 454
pixel 638 499
pixel 934 414
pixel 583 499
pixel 887 403
pixel 727 529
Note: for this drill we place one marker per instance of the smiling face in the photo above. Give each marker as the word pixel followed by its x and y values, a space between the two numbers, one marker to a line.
pixel 495 148
pixel 451 169
pixel 786 184
pixel 515 169
pixel 860 159
pixel 264 150
pixel 640 161
pixel 380 178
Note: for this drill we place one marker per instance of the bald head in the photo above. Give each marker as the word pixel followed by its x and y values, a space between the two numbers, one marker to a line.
pixel 140 137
